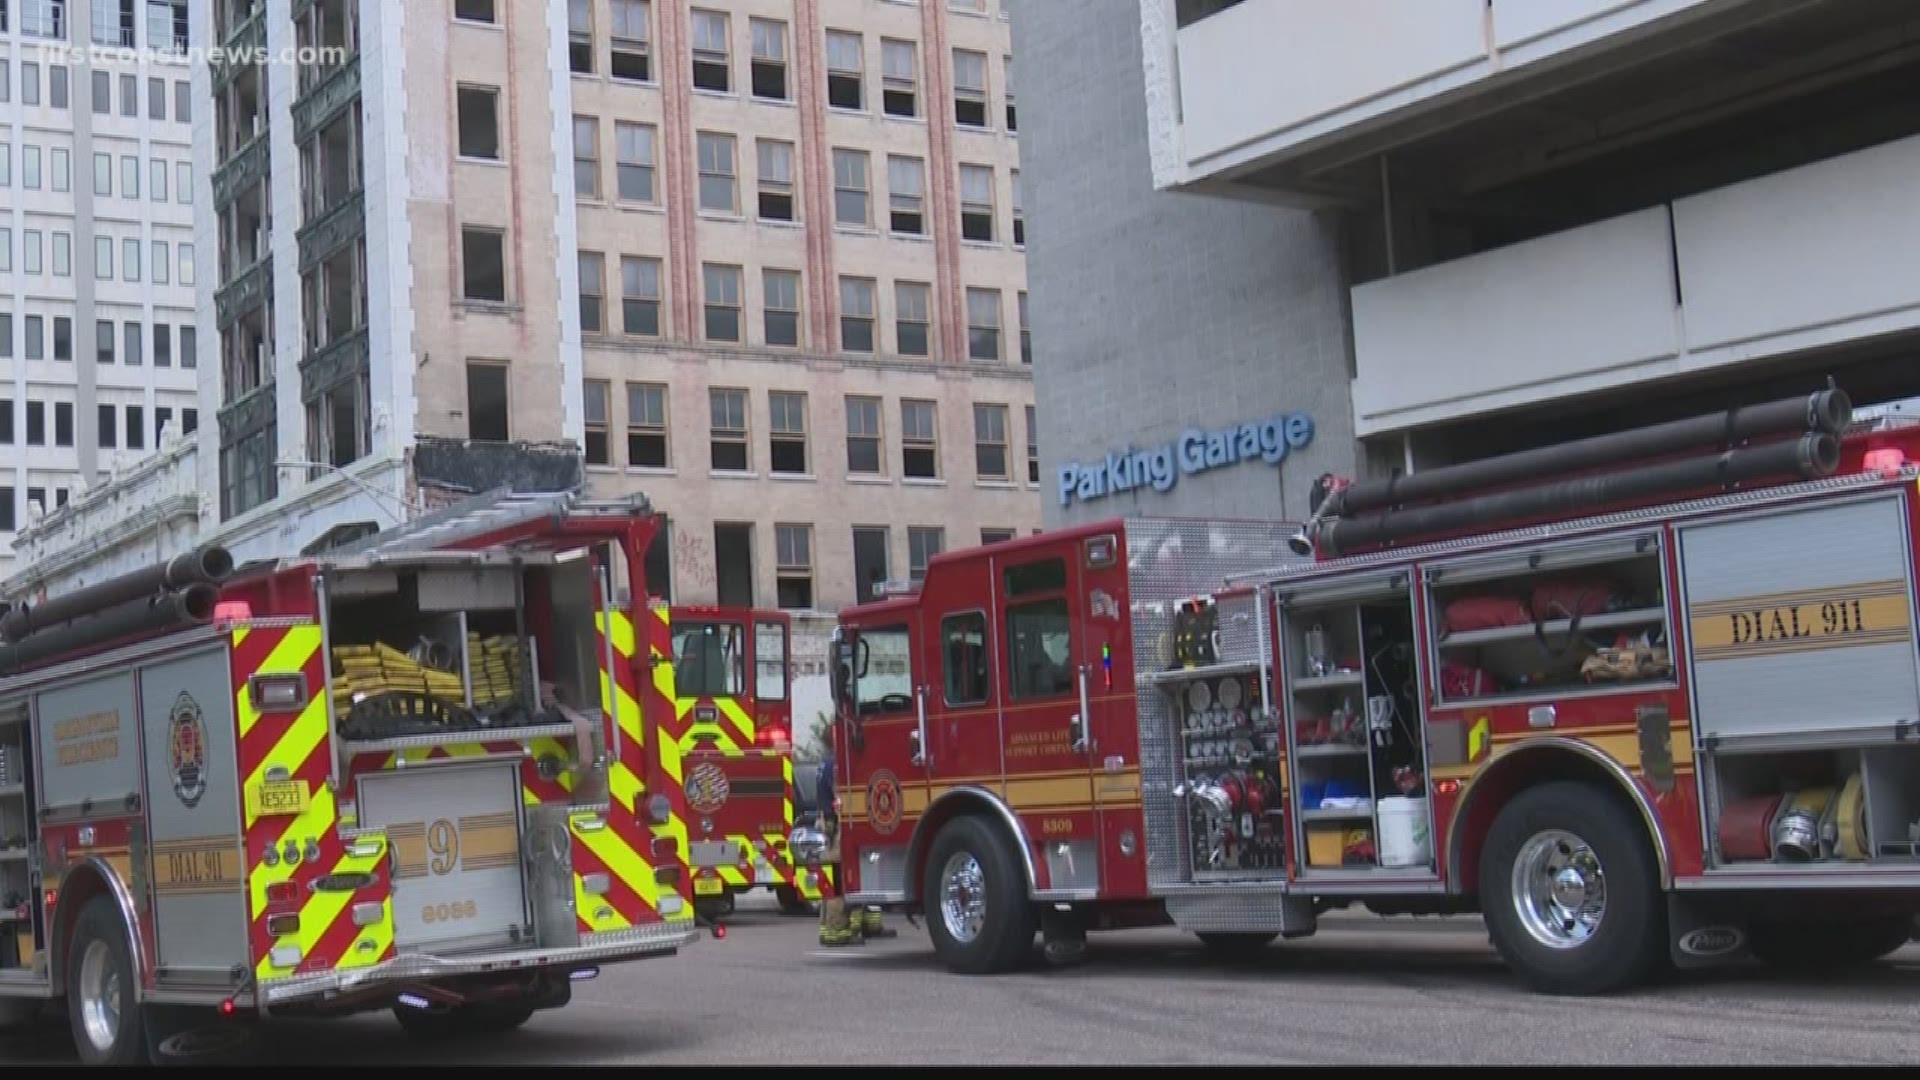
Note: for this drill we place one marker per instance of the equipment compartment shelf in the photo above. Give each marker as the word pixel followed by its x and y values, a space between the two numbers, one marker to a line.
pixel 1359 813
pixel 454 738
pixel 1606 621
pixel 1336 681
pixel 1168 679
pixel 1331 750
pixel 13 855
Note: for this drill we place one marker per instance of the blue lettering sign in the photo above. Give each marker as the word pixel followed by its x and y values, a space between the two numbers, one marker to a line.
pixel 1196 450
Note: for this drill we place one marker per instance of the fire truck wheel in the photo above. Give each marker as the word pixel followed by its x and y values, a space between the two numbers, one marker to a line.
pixel 108 1026
pixel 461 1020
pixel 975 897
pixel 1818 946
pixel 1569 891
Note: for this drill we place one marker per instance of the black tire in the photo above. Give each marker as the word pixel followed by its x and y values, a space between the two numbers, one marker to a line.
pixel 109 1028
pixel 1630 938
pixel 1008 921
pixel 1226 944
pixel 791 902
pixel 1811 947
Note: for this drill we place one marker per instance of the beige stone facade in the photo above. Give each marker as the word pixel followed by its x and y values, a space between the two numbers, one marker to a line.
pixel 746 283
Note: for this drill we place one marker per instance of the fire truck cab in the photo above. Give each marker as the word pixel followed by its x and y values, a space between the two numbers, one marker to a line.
pixel 1640 700
pixel 730 682
pixel 395 775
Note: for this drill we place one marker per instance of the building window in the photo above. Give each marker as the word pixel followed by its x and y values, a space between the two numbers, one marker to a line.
pixel 189 352
pixel 30 252
pixel 104 340
pixel 6 421
pixel 487 401
pixel 782 306
pixel 1026 334
pixel 787 432
pixel 969 88
pixel 103 258
pixel 922 545
pixel 976 203
pixel 6 151
pixel 1033 448
pixel 6 267
pixel 129 95
pixel 983 324
pixel 996 536
pixel 62 423
pixel 586 157
pixel 850 187
pixel 647 425
pixel 912 303
pixel 1013 120
pixel 900 81
pixel 113 23
pixel 135 353
pixel 182 89
pixel 136 428
pixel 36 331
pixel 62 254
pixel 844 70
pixel 479 122
pixel 483 263
pixel 156 99
pixel 162 263
pixel 729 430
pixel 710 51
pixel 63 338
pixel 634 144
pixel 1019 215
pixel 130 258
pixel 157 180
pixel 44 18
pixel 856 314
pixel 185 252
pixel 632 35
pixel 183 181
pixel 189 421
pixel 972 7
pixel 7 521
pixel 717 173
pixel 793 565
pixel 640 295
pixel 162 346
pixel 30 168
pixel 162 424
pixel 102 174
pixel 167 27
pixel 722 301
pixel 990 442
pixel 593 291
pixel 37 422
pixel 919 447
pixel 29 83
pixel 776 180
pixel 57 86
pixel 108 419
pixel 769 59
pixel 593 398
pixel 863 435
pixel 480 11
pixel 580 36
pixel 102 93
pixel 870 560
pixel 63 170
pixel 906 195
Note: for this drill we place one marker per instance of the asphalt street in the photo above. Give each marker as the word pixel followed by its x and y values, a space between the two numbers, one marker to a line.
pixel 1385 991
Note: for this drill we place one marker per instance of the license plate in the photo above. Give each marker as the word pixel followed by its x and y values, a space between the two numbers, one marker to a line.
pixel 708 887
pixel 278 797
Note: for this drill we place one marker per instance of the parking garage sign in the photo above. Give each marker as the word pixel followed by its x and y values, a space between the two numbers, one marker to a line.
pixel 1197 450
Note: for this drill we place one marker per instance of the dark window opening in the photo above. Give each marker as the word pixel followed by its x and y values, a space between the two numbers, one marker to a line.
pixel 487 402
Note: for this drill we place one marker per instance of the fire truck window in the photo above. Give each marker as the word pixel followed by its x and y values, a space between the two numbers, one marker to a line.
pixel 769 661
pixel 708 660
pixel 1048 575
pixel 886 684
pixel 963 655
pixel 1039 649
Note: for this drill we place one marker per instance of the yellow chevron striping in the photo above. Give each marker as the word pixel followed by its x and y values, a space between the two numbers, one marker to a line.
pixel 296 646
pixel 624 787
pixel 314 822
pixel 618 630
pixel 320 912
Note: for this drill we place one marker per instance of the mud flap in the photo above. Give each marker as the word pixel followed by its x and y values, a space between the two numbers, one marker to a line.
pixel 1698 937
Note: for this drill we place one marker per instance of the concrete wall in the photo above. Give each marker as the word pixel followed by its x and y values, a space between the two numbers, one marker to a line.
pixel 1131 288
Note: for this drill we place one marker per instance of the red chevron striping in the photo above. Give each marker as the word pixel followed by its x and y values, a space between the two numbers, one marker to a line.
pixel 258 744
pixel 253 650
pixel 337 942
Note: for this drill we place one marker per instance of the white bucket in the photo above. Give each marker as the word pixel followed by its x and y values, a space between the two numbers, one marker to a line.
pixel 1404 838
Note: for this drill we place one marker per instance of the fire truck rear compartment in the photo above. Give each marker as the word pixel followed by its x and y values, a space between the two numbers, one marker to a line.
pixel 454 832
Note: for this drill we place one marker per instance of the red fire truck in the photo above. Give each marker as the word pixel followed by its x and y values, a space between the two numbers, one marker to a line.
pixel 730 686
pixel 393 775
pixel 1639 700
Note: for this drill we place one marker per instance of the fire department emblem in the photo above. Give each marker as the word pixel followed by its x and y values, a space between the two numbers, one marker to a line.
pixel 706 788
pixel 187 744
pixel 883 802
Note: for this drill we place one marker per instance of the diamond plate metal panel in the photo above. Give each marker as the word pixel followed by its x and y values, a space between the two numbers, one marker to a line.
pixel 1242 912
pixel 1169 559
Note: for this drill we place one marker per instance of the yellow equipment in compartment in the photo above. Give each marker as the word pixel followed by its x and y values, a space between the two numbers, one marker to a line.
pixel 366 671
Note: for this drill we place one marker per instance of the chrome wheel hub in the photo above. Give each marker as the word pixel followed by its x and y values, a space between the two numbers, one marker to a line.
pixel 1559 889
pixel 963 897
pixel 100 996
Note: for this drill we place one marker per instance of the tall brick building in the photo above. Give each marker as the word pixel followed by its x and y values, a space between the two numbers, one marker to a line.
pixel 760 259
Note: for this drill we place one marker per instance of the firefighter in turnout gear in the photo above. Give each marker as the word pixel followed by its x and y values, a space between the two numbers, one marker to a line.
pixel 838 926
